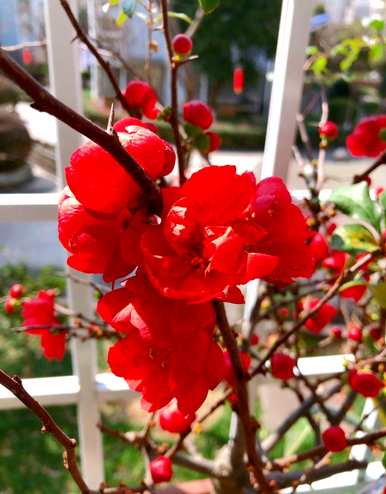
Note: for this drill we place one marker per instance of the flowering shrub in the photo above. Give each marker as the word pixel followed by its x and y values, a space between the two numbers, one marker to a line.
pixel 172 251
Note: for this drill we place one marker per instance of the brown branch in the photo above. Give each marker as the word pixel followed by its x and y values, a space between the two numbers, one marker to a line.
pixel 46 102
pixel 249 427
pixel 102 62
pixel 15 386
pixel 174 122
pixel 368 439
pixel 343 278
pixel 381 160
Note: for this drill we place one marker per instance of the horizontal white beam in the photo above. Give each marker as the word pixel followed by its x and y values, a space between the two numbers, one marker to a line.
pixel 64 390
pixel 25 208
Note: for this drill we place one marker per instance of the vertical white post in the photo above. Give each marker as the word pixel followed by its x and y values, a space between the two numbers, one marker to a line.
pixel 287 85
pixel 65 81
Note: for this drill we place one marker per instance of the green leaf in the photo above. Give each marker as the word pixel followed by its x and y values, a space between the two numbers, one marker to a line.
pixel 377 24
pixel 208 6
pixel 379 292
pixel 121 19
pixel 181 16
pixel 319 65
pixel 352 238
pixel 376 53
pixel 384 461
pixel 112 3
pixel 311 50
pixel 355 201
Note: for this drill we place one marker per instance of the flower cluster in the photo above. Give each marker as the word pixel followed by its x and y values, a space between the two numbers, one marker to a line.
pixel 215 233
pixel 199 118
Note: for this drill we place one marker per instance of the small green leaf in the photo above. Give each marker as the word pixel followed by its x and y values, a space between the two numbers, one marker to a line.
pixel 208 6
pixel 181 16
pixel 121 19
pixel 377 24
pixel 319 65
pixel 384 461
pixel 201 142
pixel 311 50
pixel 114 2
pixel 192 130
pixel 376 53
pixel 355 201
pixel 353 238
pixel 379 292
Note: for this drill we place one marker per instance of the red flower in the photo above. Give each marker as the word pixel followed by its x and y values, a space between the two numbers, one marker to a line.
pixel 336 261
pixel 98 244
pixel 368 137
pixel 245 360
pixel 214 141
pixel 168 348
pixel 334 439
pixel 103 185
pixel 141 98
pixel 366 384
pixel 203 247
pixel 323 316
pixel 198 113
pixel 336 332
pixel 319 247
pixel 171 419
pixel 17 290
pixel 375 333
pixel 287 232
pixel 282 366
pixel 10 305
pixel 161 469
pixel 354 332
pixel 182 44
pixel 123 124
pixel 354 292
pixel 40 313
pixel 329 130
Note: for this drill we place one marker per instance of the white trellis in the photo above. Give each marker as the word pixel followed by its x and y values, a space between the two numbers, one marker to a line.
pixel 86 388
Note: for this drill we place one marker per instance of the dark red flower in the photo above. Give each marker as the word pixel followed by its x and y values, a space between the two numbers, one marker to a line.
pixel 141 98
pixel 336 332
pixel 282 366
pixel 39 312
pixel 287 232
pixel 10 305
pixel 206 243
pixel 171 419
pixel 354 332
pixel 98 244
pixel 323 316
pixel 182 44
pixel 254 339
pixel 17 290
pixel 334 439
pixel 336 261
pixel 197 113
pixel 169 346
pixel 366 384
pixel 375 333
pixel 319 247
pixel 369 137
pixel 103 185
pixel 329 130
pixel 214 141
pixel 161 469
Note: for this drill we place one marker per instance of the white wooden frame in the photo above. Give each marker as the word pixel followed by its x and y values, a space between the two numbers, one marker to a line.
pixel 86 388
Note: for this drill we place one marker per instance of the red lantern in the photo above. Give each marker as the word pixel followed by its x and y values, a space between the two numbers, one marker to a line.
pixel 238 80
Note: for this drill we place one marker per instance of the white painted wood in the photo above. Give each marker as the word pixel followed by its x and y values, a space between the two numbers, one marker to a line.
pixel 64 70
pixel 64 390
pixel 287 86
pixel 23 208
